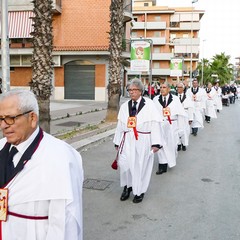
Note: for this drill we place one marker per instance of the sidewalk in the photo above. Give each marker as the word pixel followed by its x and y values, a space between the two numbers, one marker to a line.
pixel 71 115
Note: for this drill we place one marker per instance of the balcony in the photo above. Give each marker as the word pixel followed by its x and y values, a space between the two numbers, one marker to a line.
pixel 195 26
pixel 162 56
pixel 159 40
pixel 185 41
pixel 156 25
pixel 26 5
pixel 138 25
pixel 127 10
pixel 161 72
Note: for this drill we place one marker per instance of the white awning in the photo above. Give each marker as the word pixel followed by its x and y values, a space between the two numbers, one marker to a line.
pixel 20 24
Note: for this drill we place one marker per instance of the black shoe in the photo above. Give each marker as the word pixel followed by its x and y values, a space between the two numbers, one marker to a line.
pixel 195 134
pixel 126 193
pixel 162 168
pixel 138 199
pixel 218 111
pixel 184 148
pixel 179 147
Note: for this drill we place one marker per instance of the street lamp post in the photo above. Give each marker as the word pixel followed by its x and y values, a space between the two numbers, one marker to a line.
pixel 5 47
pixel 202 60
pixel 193 1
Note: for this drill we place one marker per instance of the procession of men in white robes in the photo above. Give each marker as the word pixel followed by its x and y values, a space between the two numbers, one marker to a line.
pixel 167 123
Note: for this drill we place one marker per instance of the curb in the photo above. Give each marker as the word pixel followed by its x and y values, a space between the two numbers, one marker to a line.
pixel 67 115
pixel 79 145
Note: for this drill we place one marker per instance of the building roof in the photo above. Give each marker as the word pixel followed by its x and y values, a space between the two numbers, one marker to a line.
pixel 81 48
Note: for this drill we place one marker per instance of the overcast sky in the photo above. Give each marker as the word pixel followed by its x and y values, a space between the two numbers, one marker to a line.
pixel 220 26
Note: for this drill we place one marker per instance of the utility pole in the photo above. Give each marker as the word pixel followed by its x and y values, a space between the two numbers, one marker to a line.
pixel 202 61
pixel 5 47
pixel 191 58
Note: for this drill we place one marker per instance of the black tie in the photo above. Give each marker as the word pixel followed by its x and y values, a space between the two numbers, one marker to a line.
pixel 180 96
pixel 164 101
pixel 10 165
pixel 134 109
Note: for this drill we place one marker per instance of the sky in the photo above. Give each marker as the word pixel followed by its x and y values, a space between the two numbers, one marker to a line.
pixel 220 26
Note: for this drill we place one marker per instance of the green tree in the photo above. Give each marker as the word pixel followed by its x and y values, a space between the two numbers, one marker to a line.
pixel 222 67
pixel 219 66
pixel 115 66
pixel 42 62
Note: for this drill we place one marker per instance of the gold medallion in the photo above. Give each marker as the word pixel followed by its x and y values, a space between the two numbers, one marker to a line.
pixel 132 122
pixel 3 204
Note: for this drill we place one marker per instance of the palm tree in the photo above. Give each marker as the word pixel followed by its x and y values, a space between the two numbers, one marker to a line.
pixel 42 62
pixel 115 66
pixel 221 66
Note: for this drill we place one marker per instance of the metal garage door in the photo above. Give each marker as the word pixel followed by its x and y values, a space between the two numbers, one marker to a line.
pixel 79 81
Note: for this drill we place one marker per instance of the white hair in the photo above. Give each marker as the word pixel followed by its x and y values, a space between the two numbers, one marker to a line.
pixel 136 82
pixel 27 99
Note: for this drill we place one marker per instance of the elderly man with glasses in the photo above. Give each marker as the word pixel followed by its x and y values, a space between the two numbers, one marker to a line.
pixel 40 176
pixel 137 137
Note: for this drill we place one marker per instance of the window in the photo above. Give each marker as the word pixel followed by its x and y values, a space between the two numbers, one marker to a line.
pixel 15 60
pixel 157 34
pixel 26 60
pixel 134 34
pixel 156 65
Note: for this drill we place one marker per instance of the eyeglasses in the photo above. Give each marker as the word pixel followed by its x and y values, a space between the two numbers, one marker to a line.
pixel 133 90
pixel 10 120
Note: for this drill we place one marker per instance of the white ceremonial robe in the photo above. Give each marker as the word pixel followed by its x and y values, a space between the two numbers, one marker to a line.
pixel 170 131
pixel 199 107
pixel 218 98
pixel 189 109
pixel 50 184
pixel 135 156
pixel 210 104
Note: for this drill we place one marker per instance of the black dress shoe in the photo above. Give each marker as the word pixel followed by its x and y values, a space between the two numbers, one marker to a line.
pixel 162 168
pixel 160 171
pixel 179 147
pixel 184 148
pixel 138 199
pixel 126 193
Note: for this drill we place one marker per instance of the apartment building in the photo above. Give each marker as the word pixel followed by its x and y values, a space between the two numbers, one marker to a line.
pixel 81 42
pixel 174 34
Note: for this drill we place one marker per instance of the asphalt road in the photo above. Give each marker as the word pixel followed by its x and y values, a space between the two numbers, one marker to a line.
pixel 198 199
